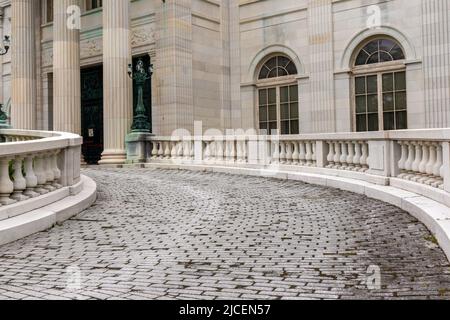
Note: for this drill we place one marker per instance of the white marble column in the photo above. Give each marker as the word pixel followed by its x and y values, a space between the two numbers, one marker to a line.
pixel 23 64
pixel 117 94
pixel 66 70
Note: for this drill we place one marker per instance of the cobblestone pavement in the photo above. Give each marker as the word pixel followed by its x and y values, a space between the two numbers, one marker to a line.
pixel 161 234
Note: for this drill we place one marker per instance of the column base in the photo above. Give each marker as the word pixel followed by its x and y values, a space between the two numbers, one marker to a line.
pixel 113 157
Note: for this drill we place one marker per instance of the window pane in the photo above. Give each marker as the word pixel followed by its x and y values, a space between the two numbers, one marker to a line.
pixel 361 123
pixel 282 72
pixel 263 114
pixel 401 120
pixel 388 82
pixel 360 104
pixel 273 73
pixel 293 91
pixel 262 97
pixel 373 122
pixel 272 96
pixel 373 58
pixel 294 110
pixel 372 103
pixel 386 45
pixel 264 73
pixel 283 61
pixel 284 94
pixel 361 59
pixel 388 101
pixel 272 126
pixel 400 81
pixel 360 85
pixel 372 85
pixel 384 57
pixel 284 111
pixel 400 100
pixel 371 47
pixel 388 120
pixel 271 63
pixel 294 127
pixel 263 125
pixel 272 113
pixel 397 53
pixel 284 127
pixel 291 68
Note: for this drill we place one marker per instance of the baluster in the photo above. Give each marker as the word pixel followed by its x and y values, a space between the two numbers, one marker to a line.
pixel 232 150
pixel 403 158
pixel 430 165
pixel 56 171
pixel 49 176
pixel 344 155
pixel 351 155
pixel 364 156
pixel 39 170
pixel 192 149
pixel 219 156
pixel 154 150
pixel 295 154
pixel 417 160
pixel 330 156
pixel 337 155
pixel 186 149
pixel 314 154
pixel 282 152
pixel 30 178
pixel 358 155
pixel 288 152
pixel 244 150
pixel 6 185
pixel 20 184
pixel 302 153
pixel 179 150
pixel 276 152
pixel 423 163
pixel 308 153
pixel 239 148
pixel 166 146
pixel 409 160
pixel 437 166
pixel 207 154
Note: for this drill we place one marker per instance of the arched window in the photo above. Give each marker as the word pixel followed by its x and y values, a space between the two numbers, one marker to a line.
pixel 380 86
pixel 278 96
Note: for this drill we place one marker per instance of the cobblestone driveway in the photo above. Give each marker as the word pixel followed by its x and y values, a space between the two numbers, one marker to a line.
pixel 173 234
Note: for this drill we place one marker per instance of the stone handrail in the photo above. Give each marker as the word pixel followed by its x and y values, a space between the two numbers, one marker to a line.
pixel 34 163
pixel 414 160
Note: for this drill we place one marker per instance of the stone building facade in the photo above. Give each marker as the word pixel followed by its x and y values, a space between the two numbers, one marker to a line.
pixel 299 66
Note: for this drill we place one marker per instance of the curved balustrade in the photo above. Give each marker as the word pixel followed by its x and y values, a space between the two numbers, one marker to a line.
pixel 34 163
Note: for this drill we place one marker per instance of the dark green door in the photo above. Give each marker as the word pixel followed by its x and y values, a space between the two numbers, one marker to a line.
pixel 147 94
pixel 92 113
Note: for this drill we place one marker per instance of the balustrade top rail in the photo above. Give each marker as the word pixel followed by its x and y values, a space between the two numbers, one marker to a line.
pixel 42 140
pixel 418 134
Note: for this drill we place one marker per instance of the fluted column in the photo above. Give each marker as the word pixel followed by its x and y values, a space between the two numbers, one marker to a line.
pixel 117 107
pixel 23 64
pixel 66 70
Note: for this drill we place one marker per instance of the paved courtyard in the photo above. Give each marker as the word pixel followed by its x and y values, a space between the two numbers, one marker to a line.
pixel 161 234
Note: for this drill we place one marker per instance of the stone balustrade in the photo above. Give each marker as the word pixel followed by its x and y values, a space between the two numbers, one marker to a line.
pixel 416 157
pixel 35 163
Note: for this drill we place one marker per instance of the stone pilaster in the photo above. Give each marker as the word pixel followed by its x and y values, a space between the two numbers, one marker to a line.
pixel 174 104
pixel 118 106
pixel 320 27
pixel 23 64
pixel 436 62
pixel 66 70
